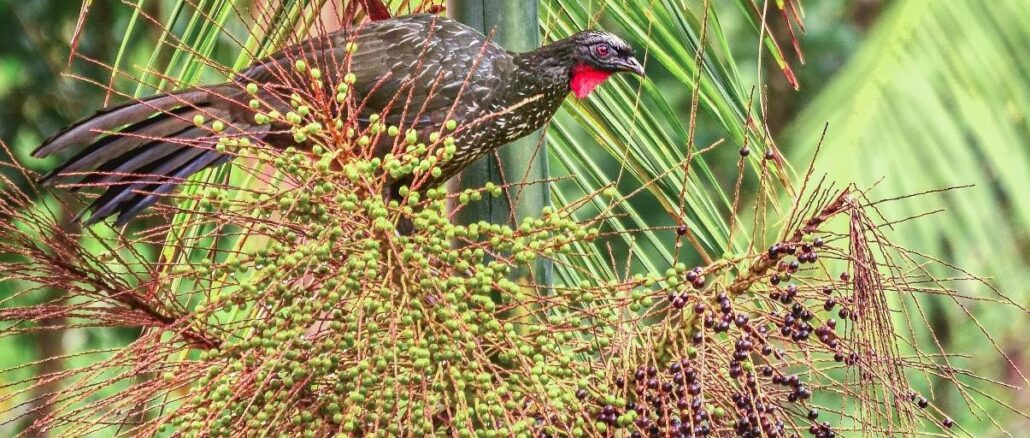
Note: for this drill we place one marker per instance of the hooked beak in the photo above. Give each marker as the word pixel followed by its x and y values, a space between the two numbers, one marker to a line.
pixel 631 65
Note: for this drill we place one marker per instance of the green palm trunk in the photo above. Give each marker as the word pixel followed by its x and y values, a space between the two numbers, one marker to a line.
pixel 513 25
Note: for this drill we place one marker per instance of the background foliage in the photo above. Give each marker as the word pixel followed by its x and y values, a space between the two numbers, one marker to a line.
pixel 919 95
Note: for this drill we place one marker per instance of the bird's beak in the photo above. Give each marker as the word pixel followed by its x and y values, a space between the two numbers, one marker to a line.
pixel 631 65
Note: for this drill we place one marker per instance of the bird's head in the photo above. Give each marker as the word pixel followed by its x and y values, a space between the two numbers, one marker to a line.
pixel 598 55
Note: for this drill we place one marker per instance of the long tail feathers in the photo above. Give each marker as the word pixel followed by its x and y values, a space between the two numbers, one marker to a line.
pixel 139 151
pixel 112 146
pixel 114 117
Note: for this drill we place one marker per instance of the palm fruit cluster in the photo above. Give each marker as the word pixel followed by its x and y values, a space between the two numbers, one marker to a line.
pixel 334 323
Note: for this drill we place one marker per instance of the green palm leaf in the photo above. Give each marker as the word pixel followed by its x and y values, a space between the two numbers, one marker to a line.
pixel 937 98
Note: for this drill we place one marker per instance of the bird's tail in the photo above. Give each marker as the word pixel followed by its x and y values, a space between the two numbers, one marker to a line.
pixel 139 151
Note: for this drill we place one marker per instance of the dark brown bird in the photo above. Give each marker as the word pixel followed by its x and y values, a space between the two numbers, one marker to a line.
pixel 415 72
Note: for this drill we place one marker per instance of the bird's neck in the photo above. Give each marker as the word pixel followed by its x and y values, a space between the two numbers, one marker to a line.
pixel 538 83
pixel 546 67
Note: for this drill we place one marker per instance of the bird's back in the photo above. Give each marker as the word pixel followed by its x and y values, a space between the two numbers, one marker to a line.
pixel 415 71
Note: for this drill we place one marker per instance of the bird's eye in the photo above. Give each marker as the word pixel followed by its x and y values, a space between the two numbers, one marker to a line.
pixel 602 50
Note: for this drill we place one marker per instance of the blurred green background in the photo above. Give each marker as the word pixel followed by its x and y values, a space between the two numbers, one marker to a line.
pixel 919 95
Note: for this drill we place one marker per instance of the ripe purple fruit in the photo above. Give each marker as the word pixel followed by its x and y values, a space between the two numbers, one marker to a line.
pixel 830 302
pixel 813 414
pixel 679 302
pixel 699 283
pixel 691 275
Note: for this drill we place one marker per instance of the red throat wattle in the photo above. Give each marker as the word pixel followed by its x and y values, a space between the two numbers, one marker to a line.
pixel 585 78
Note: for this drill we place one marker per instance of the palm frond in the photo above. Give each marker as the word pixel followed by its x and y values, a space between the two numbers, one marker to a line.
pixel 937 98
pixel 637 129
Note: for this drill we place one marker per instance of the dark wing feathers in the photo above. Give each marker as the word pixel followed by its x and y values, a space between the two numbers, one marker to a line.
pixel 429 72
pixel 417 61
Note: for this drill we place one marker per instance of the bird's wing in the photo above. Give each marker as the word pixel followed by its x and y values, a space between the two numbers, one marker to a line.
pixel 415 71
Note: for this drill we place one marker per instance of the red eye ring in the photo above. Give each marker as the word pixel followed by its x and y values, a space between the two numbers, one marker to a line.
pixel 602 50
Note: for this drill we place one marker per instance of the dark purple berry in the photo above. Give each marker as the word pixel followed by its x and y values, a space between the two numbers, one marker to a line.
pixel 699 283
pixel 679 302
pixel 830 302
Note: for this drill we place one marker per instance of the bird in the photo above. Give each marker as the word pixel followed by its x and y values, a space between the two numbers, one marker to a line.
pixel 418 72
